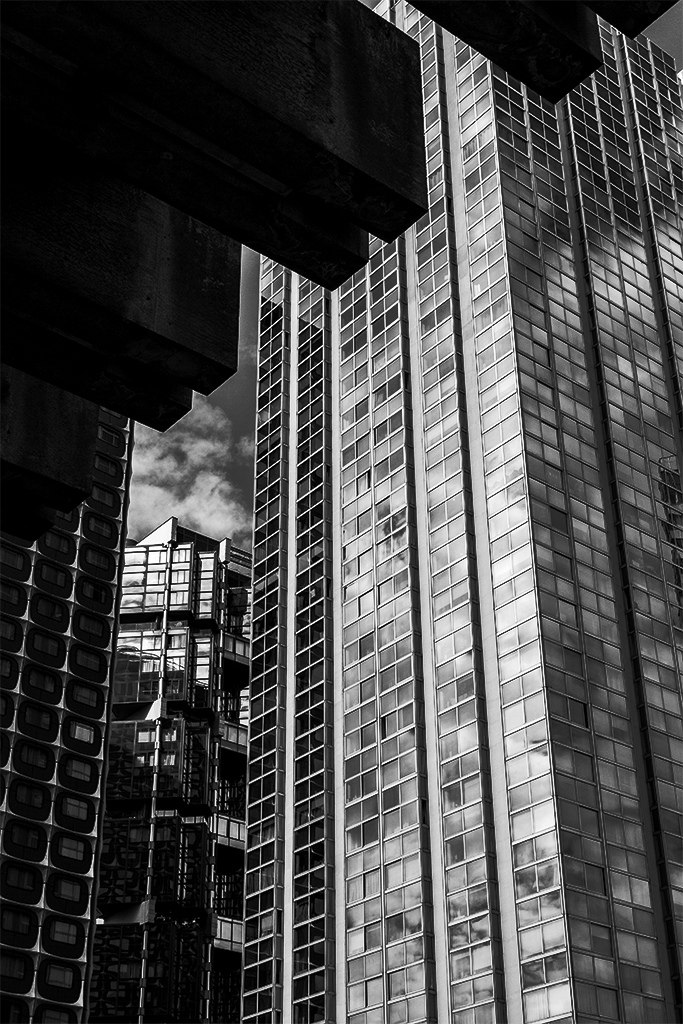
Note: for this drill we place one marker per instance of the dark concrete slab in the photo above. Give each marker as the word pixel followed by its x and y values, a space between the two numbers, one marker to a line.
pixel 550 46
pixel 70 114
pixel 144 142
pixel 114 294
pixel 48 452
pixel 298 121
pixel 632 17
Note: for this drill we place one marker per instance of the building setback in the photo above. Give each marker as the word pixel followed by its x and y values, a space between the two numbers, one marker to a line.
pixel 465 799
pixel 168 944
pixel 59 602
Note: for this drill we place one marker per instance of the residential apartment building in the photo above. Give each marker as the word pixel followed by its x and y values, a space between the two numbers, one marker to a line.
pixel 59 602
pixel 168 944
pixel 465 792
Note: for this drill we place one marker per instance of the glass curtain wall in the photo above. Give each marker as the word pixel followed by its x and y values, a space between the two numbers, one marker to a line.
pixel 503 711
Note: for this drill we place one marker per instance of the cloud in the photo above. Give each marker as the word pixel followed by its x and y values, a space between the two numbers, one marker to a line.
pixel 245 448
pixel 185 472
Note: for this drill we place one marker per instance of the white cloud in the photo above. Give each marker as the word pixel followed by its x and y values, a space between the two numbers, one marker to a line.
pixel 245 448
pixel 185 472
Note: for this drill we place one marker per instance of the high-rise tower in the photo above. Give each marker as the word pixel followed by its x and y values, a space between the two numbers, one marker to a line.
pixel 168 945
pixel 59 602
pixel 465 794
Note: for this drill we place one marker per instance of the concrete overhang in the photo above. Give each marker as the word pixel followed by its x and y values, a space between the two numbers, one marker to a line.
pixel 144 142
pixel 632 17
pixel 112 294
pixel 293 127
pixel 548 45
pixel 48 452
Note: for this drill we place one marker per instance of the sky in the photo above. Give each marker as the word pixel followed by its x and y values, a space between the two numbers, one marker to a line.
pixel 667 32
pixel 201 469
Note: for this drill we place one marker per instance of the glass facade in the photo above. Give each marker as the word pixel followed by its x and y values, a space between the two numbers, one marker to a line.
pixel 169 938
pixel 470 522
pixel 264 890
pixel 59 600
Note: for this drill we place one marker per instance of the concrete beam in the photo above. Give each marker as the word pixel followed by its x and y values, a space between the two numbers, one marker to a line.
pixel 113 294
pixel 48 452
pixel 294 127
pixel 70 115
pixel 631 18
pixel 549 46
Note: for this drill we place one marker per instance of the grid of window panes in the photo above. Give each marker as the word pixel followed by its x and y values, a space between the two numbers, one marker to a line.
pixel 189 657
pixel 137 663
pixel 144 576
pixel 575 576
pixel 589 908
pixel 655 109
pixel 471 897
pixel 640 432
pixel 174 949
pixel 231 702
pixel 58 599
pixel 389 940
pixel 313 927
pixel 562 464
pixel 174 845
pixel 190 778
pixel 262 992
pixel 533 825
pixel 554 457
pixel 235 598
